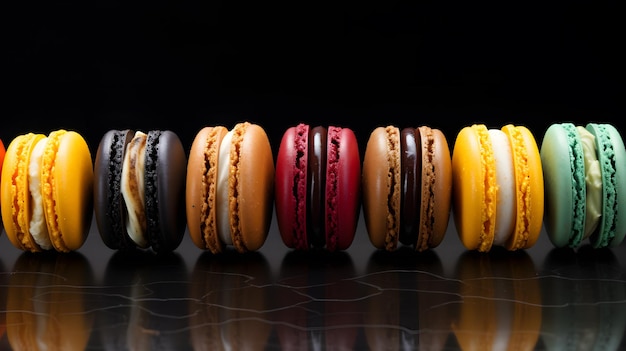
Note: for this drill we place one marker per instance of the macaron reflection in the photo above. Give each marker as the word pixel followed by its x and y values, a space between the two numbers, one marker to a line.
pixel 143 302
pixel 47 302
pixel 580 313
pixel 318 305
pixel 409 305
pixel 228 306
pixel 500 301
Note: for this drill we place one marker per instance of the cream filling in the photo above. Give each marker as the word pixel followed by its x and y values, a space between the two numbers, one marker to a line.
pixel 133 188
pixel 38 228
pixel 593 180
pixel 505 179
pixel 222 200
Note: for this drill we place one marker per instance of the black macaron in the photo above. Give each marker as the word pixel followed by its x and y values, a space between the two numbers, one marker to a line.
pixel 164 181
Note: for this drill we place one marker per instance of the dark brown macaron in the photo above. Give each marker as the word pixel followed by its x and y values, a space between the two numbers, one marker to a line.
pixel 161 209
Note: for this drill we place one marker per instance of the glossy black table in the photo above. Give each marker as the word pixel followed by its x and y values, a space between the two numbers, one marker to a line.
pixel 444 299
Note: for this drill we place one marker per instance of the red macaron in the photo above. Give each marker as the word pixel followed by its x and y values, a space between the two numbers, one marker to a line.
pixel 317 189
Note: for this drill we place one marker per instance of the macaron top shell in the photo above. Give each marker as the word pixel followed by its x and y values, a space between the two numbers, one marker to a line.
pixel 15 203
pixel 529 187
pixel 612 157
pixel 563 168
pixel 68 202
pixel 474 184
pixel 252 187
pixel 166 165
pixel 343 193
pixel 291 187
pixel 200 188
pixel 436 188
pixel 108 201
pixel 381 187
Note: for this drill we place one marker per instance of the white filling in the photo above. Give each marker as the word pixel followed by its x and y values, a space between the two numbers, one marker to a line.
pixel 38 227
pixel 593 180
pixel 505 179
pixel 223 170
pixel 135 203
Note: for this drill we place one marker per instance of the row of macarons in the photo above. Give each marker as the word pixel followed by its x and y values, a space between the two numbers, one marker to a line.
pixel 145 189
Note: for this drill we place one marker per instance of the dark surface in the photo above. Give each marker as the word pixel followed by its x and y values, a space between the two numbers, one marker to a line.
pixel 359 298
pixel 181 65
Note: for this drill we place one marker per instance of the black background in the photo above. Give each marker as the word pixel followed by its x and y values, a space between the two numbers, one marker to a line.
pixel 92 66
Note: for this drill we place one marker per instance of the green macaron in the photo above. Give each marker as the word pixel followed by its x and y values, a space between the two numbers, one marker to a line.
pixel 584 174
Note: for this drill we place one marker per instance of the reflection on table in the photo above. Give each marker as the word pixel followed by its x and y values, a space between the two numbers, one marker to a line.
pixel 400 300
pixel 584 300
pixel 47 305
pixel 500 306
pixel 143 300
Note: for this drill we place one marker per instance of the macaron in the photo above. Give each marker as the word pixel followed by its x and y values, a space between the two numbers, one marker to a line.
pixel 498 187
pixel 139 190
pixel 230 188
pixel 585 175
pixel 2 153
pixel 318 194
pixel 407 186
pixel 46 187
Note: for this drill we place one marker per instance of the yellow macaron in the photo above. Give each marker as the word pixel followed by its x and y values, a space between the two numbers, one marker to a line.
pixel 497 187
pixel 46 189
